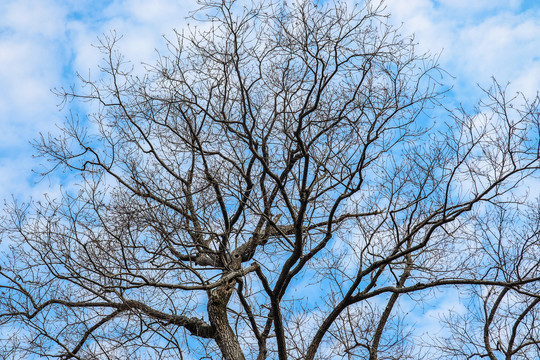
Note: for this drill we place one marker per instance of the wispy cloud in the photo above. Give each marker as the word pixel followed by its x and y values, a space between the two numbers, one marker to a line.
pixel 31 62
pixel 477 39
pixel 42 45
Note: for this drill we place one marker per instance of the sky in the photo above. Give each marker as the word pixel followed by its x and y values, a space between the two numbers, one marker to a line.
pixel 44 43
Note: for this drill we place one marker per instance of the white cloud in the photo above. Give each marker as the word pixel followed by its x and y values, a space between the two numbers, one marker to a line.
pixel 478 39
pixel 36 18
pixel 142 25
pixel 29 66
pixel 425 318
pixel 42 44
pixel 477 6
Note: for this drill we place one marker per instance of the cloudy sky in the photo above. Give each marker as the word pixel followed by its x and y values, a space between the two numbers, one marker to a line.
pixel 43 43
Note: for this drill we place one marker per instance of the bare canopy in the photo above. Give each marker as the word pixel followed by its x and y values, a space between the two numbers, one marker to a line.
pixel 285 182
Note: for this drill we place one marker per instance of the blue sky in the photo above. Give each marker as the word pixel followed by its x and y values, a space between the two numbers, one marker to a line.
pixel 44 42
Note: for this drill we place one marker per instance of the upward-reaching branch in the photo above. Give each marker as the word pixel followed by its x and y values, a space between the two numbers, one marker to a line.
pixel 270 188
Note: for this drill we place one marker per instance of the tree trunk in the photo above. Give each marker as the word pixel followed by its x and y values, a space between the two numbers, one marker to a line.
pixel 217 312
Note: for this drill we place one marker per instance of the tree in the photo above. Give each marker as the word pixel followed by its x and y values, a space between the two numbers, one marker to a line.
pixel 280 185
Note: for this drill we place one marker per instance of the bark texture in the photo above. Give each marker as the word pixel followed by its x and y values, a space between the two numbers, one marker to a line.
pixel 217 312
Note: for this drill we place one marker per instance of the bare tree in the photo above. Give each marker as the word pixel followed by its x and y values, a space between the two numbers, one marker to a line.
pixel 271 189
